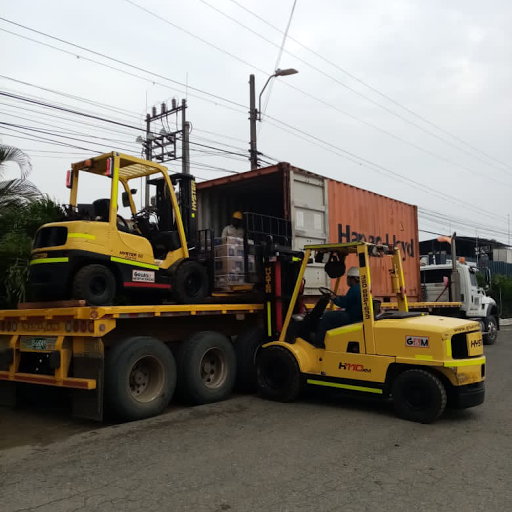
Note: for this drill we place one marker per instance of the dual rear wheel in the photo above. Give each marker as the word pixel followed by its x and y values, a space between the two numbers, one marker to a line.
pixel 142 374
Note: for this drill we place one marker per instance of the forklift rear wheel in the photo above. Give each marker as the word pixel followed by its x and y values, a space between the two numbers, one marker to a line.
pixel 95 284
pixel 140 378
pixel 278 374
pixel 191 283
pixel 206 368
pixel 418 396
pixel 491 327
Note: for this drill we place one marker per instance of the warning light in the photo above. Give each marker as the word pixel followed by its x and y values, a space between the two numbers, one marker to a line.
pixel 69 179
pixel 110 167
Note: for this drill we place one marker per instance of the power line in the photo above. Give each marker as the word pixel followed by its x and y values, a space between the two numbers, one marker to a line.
pixel 113 67
pixel 362 82
pixel 315 98
pixel 365 162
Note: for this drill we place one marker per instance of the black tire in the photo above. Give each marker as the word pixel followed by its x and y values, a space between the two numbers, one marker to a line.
pixel 191 283
pixel 278 374
pixel 140 378
pixel 95 284
pixel 491 326
pixel 246 349
pixel 418 396
pixel 206 368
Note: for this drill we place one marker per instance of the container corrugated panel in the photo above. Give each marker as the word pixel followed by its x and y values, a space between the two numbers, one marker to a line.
pixel 357 214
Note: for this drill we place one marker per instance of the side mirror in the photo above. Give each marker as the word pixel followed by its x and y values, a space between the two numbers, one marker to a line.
pixel 125 198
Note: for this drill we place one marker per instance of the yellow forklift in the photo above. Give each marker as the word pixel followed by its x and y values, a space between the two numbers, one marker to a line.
pixel 96 254
pixel 422 362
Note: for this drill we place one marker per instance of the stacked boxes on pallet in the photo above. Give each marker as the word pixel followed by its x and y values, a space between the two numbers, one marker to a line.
pixel 229 262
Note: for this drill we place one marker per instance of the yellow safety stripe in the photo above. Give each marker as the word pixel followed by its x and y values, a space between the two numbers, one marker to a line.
pixel 49 260
pixel 269 319
pixel 81 235
pixel 343 330
pixel 465 362
pixel 424 358
pixel 134 263
pixel 449 347
pixel 344 386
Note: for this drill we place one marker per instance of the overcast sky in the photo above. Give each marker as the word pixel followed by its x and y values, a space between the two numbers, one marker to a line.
pixel 447 61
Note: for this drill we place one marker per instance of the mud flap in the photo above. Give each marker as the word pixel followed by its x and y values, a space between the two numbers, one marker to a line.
pixel 89 404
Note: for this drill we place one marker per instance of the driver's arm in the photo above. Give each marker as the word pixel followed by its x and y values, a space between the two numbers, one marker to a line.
pixel 340 301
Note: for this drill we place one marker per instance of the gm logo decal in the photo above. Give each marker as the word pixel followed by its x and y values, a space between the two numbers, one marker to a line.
pixel 416 341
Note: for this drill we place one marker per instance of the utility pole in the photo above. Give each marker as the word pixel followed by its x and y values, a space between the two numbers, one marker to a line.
pixel 253 115
pixel 148 157
pixel 185 156
pixel 161 147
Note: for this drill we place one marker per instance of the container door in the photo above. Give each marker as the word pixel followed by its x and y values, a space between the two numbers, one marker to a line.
pixel 308 202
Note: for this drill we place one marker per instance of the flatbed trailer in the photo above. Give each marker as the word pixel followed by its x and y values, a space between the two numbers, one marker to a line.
pixel 441 308
pixel 132 358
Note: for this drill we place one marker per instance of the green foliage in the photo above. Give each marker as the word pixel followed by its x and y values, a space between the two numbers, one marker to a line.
pixel 501 292
pixel 18 225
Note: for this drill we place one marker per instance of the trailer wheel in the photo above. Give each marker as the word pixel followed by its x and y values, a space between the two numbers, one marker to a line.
pixel 246 349
pixel 418 396
pixel 191 283
pixel 140 378
pixel 278 374
pixel 96 284
pixel 206 368
pixel 491 326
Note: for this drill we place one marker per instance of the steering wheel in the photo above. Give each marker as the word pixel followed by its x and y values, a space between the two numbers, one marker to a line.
pixel 123 221
pixel 327 293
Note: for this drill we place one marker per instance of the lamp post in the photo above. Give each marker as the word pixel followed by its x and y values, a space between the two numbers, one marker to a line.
pixel 255 113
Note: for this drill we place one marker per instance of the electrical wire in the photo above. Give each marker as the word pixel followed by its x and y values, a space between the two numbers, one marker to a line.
pixel 362 82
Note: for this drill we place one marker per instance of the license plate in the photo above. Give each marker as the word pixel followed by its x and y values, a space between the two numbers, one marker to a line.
pixel 37 343
pixel 475 344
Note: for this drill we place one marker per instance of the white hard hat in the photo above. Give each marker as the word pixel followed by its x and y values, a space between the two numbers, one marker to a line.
pixel 353 272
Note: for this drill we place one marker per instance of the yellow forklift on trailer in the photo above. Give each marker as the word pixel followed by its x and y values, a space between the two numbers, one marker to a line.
pixel 96 254
pixel 422 362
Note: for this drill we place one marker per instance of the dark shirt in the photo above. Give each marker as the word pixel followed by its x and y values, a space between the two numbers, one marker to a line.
pixel 351 302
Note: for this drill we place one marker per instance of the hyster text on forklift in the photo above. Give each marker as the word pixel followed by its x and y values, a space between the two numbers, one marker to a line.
pixel 422 362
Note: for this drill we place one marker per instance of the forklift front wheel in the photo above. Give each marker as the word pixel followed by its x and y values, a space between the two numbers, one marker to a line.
pixel 95 284
pixel 191 283
pixel 278 374
pixel 418 396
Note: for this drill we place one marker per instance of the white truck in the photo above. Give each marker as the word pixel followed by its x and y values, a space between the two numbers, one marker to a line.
pixel 451 289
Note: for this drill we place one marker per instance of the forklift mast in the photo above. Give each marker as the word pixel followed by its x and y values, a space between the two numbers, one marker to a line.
pixel 187 200
pixel 280 272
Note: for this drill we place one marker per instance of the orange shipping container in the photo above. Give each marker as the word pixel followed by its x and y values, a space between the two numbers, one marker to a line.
pixel 320 210
pixel 357 214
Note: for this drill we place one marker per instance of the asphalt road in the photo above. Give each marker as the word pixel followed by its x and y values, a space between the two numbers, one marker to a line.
pixel 250 455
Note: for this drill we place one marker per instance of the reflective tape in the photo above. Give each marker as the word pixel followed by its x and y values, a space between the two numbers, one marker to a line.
pixel 134 263
pixel 81 235
pixel 465 362
pixel 344 386
pixel 49 260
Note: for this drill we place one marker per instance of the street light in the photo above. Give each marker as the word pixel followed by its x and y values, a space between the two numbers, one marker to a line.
pixel 255 114
pixel 278 72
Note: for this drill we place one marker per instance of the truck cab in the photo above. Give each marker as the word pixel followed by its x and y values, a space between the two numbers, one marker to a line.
pixel 444 283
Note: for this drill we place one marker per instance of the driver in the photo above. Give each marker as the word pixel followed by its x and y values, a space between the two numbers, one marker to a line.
pixel 351 302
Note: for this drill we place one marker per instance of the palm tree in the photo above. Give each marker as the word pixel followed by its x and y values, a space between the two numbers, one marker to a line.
pixel 19 189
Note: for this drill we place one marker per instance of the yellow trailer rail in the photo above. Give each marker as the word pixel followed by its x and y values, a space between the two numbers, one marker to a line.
pixel 424 306
pixel 66 347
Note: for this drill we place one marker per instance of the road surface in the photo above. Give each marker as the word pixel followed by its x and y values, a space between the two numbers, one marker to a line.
pixel 247 454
